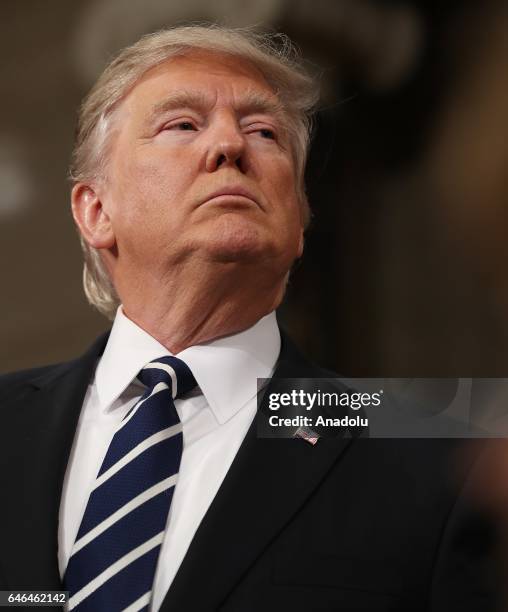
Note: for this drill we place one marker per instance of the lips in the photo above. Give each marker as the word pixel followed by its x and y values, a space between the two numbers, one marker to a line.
pixel 232 191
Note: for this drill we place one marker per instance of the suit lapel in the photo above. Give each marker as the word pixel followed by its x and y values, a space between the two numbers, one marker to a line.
pixel 42 418
pixel 268 482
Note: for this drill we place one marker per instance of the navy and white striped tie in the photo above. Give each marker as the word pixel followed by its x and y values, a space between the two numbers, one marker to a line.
pixel 113 561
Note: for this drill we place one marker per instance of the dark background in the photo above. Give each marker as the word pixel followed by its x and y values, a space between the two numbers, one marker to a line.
pixel 405 267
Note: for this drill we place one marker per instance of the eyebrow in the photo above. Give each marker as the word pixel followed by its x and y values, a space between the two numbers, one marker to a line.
pixel 251 102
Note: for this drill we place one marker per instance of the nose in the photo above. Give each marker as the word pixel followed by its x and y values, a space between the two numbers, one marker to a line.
pixel 227 146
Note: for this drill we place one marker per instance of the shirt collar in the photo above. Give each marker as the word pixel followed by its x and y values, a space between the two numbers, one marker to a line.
pixel 225 369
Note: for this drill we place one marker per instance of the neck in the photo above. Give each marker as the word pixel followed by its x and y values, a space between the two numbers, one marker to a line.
pixel 180 312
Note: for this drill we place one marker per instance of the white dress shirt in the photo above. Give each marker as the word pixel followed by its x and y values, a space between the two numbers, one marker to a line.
pixel 215 419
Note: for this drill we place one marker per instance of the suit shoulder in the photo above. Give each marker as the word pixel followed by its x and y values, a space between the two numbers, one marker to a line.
pixel 15 383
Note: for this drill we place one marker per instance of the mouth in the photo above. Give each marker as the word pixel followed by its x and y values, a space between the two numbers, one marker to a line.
pixel 233 196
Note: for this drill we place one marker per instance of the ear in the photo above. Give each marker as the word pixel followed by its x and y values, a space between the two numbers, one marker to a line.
pixel 90 217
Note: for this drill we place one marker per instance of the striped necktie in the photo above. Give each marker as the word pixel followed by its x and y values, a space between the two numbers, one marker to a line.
pixel 113 561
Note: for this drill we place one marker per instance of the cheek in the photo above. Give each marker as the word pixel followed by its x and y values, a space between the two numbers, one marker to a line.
pixel 287 208
pixel 282 187
pixel 279 170
pixel 139 209
pixel 148 186
pixel 146 167
pixel 154 178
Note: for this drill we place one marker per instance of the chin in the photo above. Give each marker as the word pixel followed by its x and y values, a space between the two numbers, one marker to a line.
pixel 237 251
pixel 238 239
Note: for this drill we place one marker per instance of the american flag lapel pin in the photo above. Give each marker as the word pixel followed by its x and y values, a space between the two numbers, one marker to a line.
pixel 307 434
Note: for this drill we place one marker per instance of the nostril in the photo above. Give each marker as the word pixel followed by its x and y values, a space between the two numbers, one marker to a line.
pixel 220 160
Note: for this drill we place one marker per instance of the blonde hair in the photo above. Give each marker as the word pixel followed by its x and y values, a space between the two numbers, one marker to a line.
pixel 272 54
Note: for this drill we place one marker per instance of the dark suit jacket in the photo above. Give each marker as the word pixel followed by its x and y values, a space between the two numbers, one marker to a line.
pixel 346 525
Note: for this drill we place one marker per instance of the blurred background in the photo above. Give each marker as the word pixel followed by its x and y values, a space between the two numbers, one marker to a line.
pixel 405 268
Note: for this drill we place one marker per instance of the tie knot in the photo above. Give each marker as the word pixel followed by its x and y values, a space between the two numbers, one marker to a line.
pixel 169 370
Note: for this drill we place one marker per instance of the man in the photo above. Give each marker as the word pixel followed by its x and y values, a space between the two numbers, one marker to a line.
pixel 133 476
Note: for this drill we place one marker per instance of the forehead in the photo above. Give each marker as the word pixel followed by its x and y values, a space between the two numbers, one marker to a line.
pixel 209 75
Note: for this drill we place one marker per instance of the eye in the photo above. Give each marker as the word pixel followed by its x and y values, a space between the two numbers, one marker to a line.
pixel 267 133
pixel 183 126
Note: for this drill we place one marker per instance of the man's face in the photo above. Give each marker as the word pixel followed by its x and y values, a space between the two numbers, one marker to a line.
pixel 201 167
